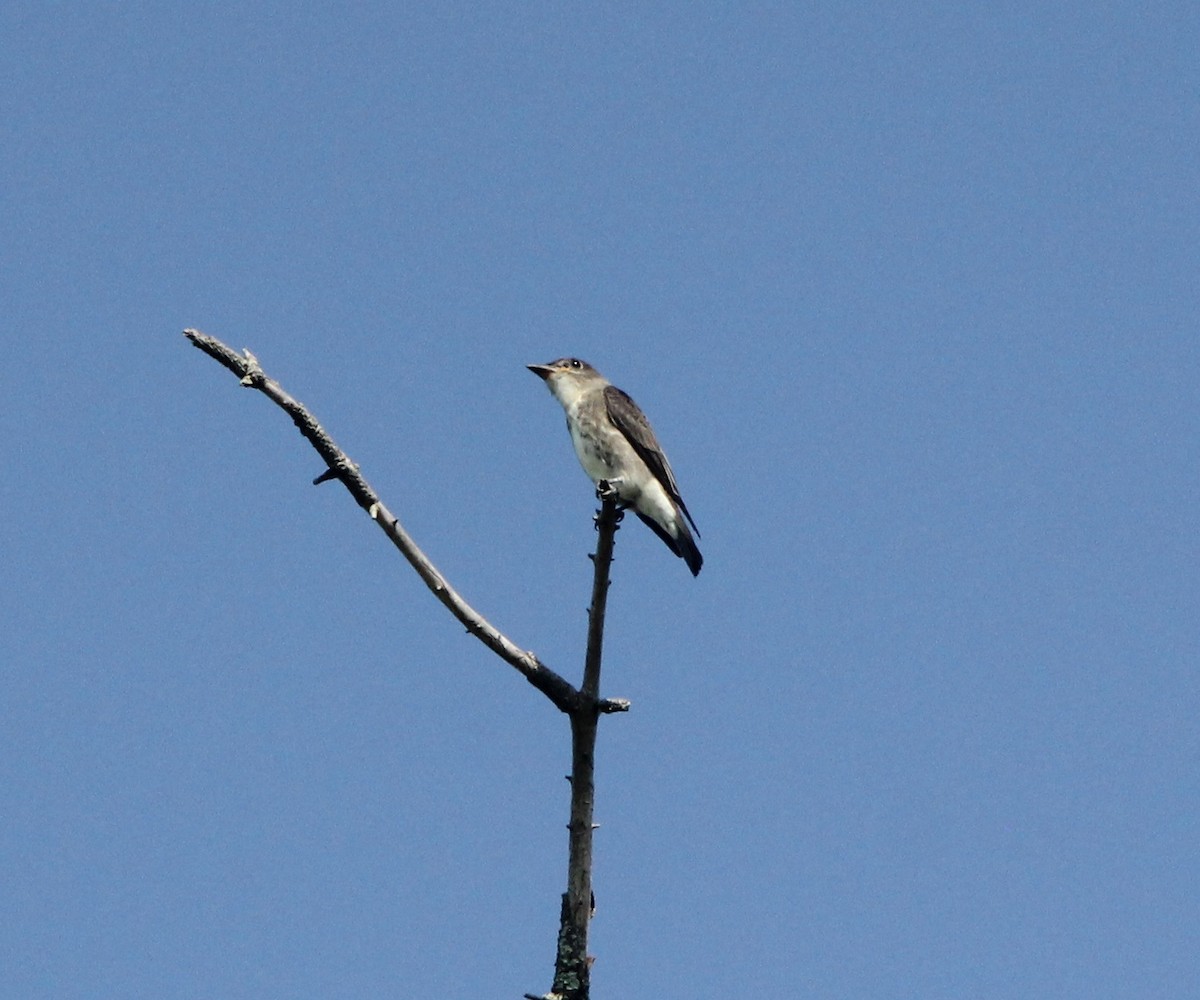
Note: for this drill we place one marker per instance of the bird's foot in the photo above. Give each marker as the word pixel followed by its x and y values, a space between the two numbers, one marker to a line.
pixel 609 489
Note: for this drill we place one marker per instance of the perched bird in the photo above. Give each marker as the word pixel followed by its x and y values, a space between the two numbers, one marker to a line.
pixel 616 445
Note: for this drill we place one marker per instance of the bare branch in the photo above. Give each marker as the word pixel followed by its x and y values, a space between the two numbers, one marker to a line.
pixel 572 965
pixel 246 367
pixel 583 706
pixel 608 518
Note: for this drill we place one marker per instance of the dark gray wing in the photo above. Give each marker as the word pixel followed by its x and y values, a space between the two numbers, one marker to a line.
pixel 629 419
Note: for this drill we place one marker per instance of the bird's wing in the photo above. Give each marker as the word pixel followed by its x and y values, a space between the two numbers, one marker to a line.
pixel 629 419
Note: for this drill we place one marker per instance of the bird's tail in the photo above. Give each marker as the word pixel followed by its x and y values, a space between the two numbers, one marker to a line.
pixel 683 545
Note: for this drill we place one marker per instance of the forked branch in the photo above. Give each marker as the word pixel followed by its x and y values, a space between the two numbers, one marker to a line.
pixel 246 367
pixel 582 705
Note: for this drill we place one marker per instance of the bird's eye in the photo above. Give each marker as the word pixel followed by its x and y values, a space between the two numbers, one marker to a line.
pixel 576 363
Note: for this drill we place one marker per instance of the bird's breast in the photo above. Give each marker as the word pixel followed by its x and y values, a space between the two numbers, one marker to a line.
pixel 597 459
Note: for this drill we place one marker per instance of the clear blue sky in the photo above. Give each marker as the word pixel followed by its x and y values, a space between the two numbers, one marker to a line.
pixel 911 297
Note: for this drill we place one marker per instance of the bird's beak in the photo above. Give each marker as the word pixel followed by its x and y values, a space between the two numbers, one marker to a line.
pixel 541 371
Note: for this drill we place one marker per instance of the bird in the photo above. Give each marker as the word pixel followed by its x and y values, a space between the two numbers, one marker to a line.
pixel 618 450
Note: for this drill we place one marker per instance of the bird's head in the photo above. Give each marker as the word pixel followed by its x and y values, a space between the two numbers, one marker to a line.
pixel 568 378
